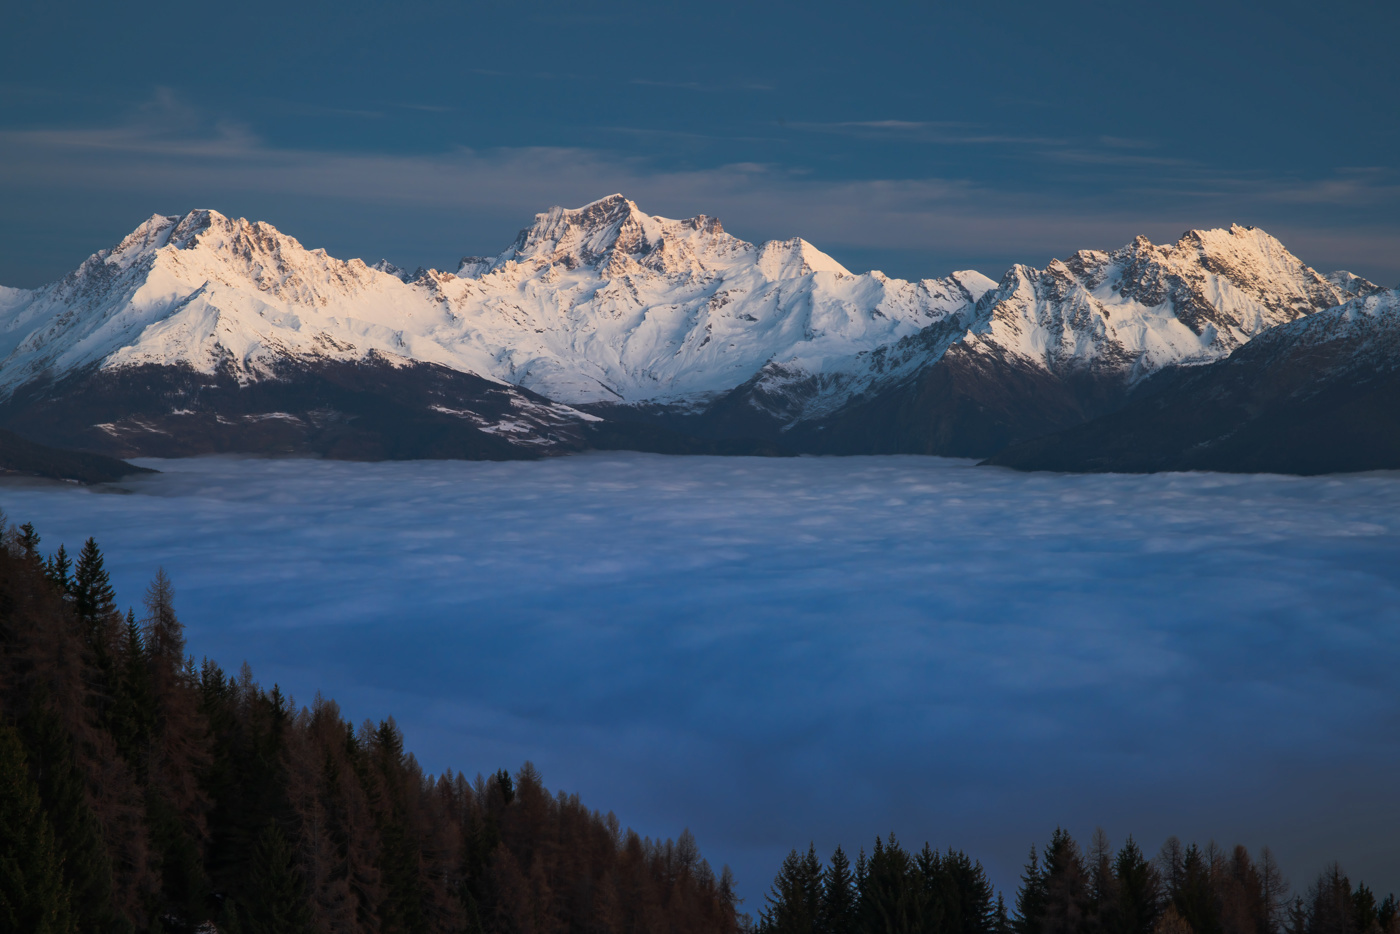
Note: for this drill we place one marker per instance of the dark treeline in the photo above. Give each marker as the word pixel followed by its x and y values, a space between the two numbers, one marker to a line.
pixel 1185 890
pixel 141 792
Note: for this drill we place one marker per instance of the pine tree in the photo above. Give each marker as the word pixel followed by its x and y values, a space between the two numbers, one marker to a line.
pixel 1030 897
pixel 33 896
pixel 57 571
pixel 87 869
pixel 1330 904
pixel 838 911
pixel 1388 915
pixel 1364 908
pixel 1139 891
pixel 1103 883
pixel 794 901
pixel 133 707
pixel 29 541
pixel 93 597
pixel 1195 896
pixel 968 904
pixel 505 786
pixel 1067 895
pixel 276 901
pixel 94 603
pixel 892 898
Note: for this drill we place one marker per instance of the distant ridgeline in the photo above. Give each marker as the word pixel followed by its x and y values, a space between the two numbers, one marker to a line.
pixel 140 792
pixel 1185 890
pixel 605 327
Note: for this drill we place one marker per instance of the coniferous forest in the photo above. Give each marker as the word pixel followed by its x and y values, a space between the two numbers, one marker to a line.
pixel 142 792
pixel 1063 890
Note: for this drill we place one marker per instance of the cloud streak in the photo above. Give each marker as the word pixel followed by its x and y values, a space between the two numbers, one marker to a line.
pixel 175 152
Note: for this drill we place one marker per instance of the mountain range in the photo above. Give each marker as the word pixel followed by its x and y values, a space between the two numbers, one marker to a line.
pixel 606 327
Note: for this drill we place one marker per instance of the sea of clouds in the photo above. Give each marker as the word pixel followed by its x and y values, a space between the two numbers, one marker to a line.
pixel 772 652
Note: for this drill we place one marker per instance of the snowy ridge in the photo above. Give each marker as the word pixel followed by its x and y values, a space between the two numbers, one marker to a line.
pixel 1368 325
pixel 1145 306
pixel 606 303
pixel 599 304
pixel 218 295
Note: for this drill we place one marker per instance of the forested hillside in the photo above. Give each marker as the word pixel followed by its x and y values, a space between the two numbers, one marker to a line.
pixel 1185 890
pixel 140 791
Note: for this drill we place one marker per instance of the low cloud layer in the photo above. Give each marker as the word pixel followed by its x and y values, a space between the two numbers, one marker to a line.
pixel 778 651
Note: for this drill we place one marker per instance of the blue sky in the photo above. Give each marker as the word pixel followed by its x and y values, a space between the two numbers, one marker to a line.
pixel 913 137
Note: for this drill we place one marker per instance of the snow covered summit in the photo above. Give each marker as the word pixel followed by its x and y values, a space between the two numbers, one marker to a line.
pixel 608 304
pixel 642 317
pixel 1146 306
pixel 600 304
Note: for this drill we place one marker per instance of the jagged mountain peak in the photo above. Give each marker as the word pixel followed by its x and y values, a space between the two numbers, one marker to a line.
pixel 787 259
pixel 598 303
pixel 203 228
pixel 614 236
pixel 1239 249
pixel 398 272
pixel 1351 283
pixel 150 234
pixel 1144 306
pixel 606 303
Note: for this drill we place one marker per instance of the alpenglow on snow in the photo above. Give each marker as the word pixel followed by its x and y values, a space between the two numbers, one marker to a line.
pixel 607 306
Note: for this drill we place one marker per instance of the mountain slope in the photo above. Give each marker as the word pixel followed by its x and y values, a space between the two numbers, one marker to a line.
pixel 24 457
pixel 368 409
pixel 606 304
pixel 203 333
pixel 1050 348
pixel 1317 395
pixel 599 304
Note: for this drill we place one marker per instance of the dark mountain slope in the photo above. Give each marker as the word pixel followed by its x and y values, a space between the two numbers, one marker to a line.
pixel 968 404
pixel 22 456
pixel 367 410
pixel 1320 395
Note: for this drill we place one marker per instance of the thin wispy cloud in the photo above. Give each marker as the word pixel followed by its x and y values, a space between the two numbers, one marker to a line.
pixel 949 132
pixel 1122 142
pixel 177 152
pixel 700 85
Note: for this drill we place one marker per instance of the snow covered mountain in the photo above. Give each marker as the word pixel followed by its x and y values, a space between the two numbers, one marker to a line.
pixel 599 304
pixel 1048 348
pixel 1315 395
pixel 645 320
